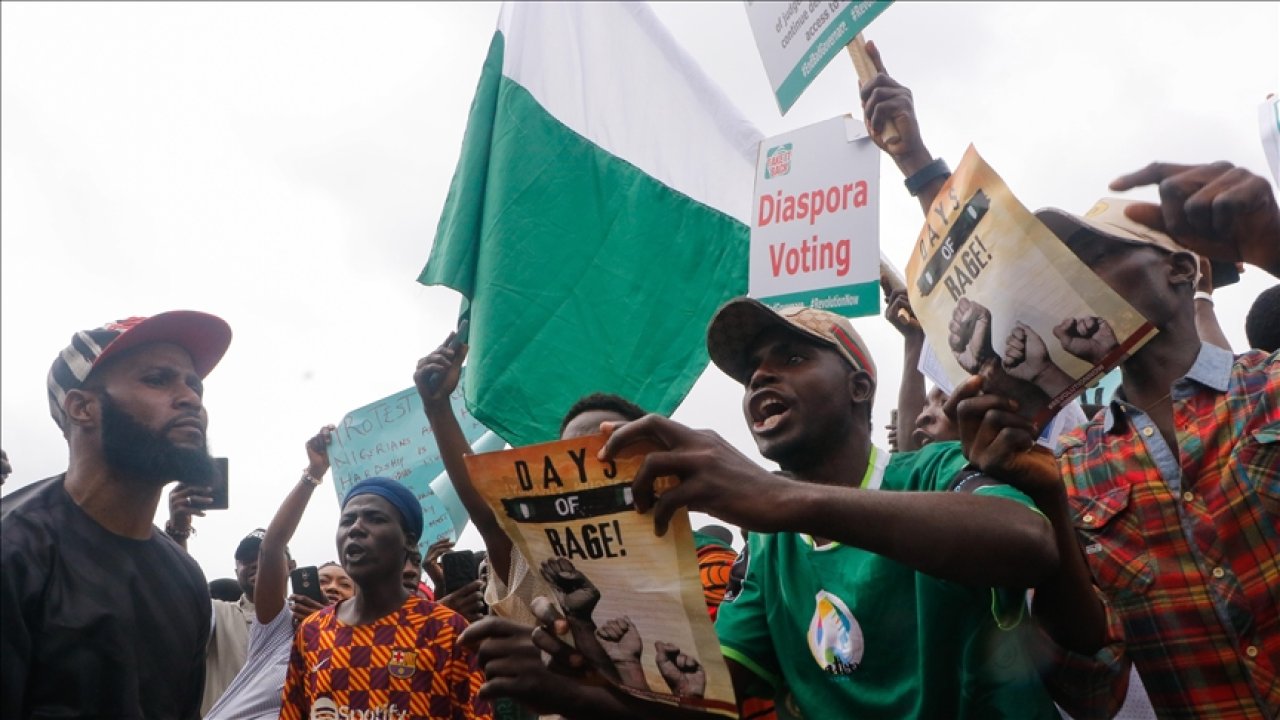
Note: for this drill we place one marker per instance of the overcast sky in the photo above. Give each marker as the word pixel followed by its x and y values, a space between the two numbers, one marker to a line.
pixel 283 166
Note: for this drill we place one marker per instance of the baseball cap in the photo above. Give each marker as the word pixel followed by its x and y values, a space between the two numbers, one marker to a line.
pixel 1106 218
pixel 740 321
pixel 247 550
pixel 205 337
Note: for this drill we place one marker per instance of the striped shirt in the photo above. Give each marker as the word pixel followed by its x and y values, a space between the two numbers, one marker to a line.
pixel 406 665
pixel 1184 545
pixel 715 560
pixel 254 694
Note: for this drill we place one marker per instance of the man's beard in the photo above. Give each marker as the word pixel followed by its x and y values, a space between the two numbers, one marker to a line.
pixel 135 450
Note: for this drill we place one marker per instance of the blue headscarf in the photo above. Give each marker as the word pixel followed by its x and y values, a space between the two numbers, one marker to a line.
pixel 401 497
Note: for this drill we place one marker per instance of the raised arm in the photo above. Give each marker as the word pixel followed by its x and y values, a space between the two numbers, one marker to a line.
pixel 965 537
pixel 273 563
pixel 453 446
pixel 885 101
pixel 185 501
pixel 911 392
pixel 1218 210
pixel 1207 326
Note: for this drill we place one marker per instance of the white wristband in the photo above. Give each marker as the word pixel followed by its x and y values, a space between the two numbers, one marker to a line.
pixel 1202 295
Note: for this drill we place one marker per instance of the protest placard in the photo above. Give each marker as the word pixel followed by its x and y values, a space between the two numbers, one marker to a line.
pixel 1269 125
pixel 797 39
pixel 391 438
pixel 998 294
pixel 815 230
pixel 634 599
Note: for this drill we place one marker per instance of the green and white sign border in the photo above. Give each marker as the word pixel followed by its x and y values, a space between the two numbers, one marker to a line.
pixel 840 33
pixel 851 301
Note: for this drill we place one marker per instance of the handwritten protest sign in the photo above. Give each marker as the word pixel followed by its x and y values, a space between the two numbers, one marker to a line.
pixel 391 438
pixel 797 39
pixel 815 230
pixel 561 505
pixel 999 295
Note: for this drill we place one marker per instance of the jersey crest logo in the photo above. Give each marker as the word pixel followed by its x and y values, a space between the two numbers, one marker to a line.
pixel 835 638
pixel 403 663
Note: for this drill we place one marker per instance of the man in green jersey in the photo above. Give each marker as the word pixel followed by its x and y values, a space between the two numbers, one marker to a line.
pixel 879 586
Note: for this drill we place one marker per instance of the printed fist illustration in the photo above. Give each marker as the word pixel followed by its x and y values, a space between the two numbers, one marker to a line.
pixel 970 337
pixel 577 595
pixel 684 675
pixel 1088 338
pixel 621 640
pixel 1025 354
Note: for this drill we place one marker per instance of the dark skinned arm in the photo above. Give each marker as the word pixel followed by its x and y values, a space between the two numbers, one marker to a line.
pixel 911 392
pixel 1207 325
pixel 273 563
pixel 185 501
pixel 963 537
pixel 1219 211
pixel 1002 444
pixel 887 102
pixel 454 446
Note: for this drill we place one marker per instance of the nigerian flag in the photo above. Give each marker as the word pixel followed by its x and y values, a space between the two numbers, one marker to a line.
pixel 597 217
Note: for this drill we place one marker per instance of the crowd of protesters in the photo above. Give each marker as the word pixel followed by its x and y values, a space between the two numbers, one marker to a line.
pixel 1131 562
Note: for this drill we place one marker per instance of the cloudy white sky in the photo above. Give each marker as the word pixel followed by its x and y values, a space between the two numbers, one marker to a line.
pixel 283 165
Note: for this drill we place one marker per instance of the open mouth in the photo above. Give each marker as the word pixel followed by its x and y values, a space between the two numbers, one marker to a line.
pixel 333 596
pixel 921 438
pixel 353 553
pixel 767 410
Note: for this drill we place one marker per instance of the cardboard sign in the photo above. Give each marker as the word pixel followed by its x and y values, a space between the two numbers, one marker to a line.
pixel 559 503
pixel 816 224
pixel 797 39
pixel 999 295
pixel 391 438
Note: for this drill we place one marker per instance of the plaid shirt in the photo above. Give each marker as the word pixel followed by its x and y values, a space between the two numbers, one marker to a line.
pixel 405 666
pixel 1184 546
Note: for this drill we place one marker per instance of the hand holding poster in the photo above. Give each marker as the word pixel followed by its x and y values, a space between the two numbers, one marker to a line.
pixel 815 230
pixel 633 600
pixel 391 438
pixel 999 295
pixel 797 39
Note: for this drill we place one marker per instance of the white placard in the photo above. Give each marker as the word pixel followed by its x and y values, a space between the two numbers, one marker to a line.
pixel 1269 125
pixel 815 229
pixel 797 39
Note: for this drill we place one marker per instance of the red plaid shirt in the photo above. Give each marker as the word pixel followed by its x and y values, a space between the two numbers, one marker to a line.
pixel 1184 546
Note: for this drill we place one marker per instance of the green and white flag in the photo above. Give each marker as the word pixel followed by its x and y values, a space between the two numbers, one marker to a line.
pixel 597 217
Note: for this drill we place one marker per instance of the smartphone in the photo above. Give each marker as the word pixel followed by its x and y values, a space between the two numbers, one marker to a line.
pixel 305 581
pixel 1224 273
pixel 218 486
pixel 459 569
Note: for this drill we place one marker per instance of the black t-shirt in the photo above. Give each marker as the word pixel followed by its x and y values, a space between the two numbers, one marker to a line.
pixel 95 624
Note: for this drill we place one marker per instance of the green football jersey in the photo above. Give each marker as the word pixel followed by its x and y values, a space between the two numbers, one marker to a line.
pixel 840 632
